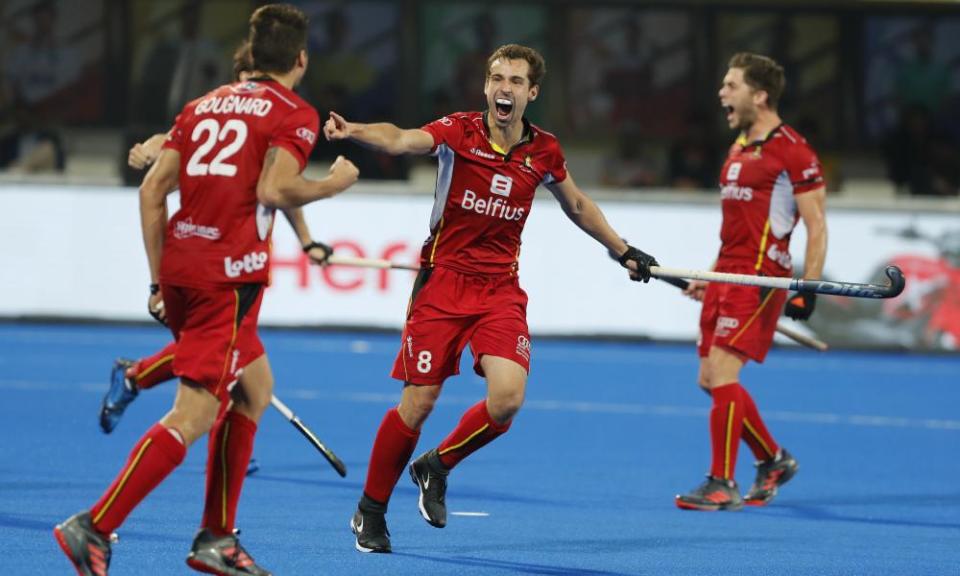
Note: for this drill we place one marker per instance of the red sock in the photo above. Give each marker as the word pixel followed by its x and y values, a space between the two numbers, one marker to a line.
pixel 475 430
pixel 755 432
pixel 726 421
pixel 229 448
pixel 392 449
pixel 156 455
pixel 152 370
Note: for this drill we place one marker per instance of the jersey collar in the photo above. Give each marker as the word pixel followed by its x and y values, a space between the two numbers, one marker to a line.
pixel 527 135
pixel 742 138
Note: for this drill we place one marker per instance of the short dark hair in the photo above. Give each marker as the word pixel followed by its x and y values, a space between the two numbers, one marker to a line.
pixel 278 33
pixel 537 69
pixel 761 73
pixel 242 60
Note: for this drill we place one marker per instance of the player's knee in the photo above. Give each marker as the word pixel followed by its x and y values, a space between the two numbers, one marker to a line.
pixel 416 406
pixel 505 405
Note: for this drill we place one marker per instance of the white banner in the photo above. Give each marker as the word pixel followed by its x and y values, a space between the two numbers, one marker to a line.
pixel 77 252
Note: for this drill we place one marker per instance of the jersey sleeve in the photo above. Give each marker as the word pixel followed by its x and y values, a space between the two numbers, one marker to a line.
pixel 174 139
pixel 555 169
pixel 447 130
pixel 297 134
pixel 803 168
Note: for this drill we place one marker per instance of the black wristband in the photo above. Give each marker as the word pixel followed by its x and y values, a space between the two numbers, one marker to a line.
pixel 314 244
pixel 154 289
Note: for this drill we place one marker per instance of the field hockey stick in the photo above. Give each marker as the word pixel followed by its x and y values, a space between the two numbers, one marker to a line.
pixel 337 464
pixel 849 289
pixel 799 338
pixel 369 263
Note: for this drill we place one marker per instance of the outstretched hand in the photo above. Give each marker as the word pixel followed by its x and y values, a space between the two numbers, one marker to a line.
pixel 638 263
pixel 336 127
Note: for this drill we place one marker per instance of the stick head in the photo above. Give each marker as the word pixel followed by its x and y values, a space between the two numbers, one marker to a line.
pixel 897 282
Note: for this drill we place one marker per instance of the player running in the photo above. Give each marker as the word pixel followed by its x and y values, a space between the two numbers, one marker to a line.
pixel 770 179
pixel 236 154
pixel 467 292
pixel 128 377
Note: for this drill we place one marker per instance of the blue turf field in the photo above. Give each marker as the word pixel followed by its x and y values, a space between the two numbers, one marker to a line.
pixel 583 484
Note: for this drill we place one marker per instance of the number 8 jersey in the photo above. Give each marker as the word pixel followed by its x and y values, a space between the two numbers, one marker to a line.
pixel 220 237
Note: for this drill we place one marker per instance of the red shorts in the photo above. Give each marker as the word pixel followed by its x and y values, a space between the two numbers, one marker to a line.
pixel 215 332
pixel 447 311
pixel 740 318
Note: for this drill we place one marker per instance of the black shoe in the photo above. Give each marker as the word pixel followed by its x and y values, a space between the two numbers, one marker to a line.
pixel 84 546
pixel 370 527
pixel 121 393
pixel 252 467
pixel 221 555
pixel 430 476
pixel 714 494
pixel 771 474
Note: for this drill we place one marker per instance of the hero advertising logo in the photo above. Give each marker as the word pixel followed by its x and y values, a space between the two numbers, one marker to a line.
pixel 725 324
pixel 500 185
pixel 249 264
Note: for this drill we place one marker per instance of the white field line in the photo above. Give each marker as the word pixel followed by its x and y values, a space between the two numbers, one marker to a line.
pixel 582 407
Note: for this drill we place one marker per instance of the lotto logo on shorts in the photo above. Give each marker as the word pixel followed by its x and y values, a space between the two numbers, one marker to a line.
pixel 523 347
pixel 725 324
pixel 249 264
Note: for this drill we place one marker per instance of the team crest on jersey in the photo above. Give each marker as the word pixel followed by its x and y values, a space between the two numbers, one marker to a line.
pixel 501 185
pixel 733 172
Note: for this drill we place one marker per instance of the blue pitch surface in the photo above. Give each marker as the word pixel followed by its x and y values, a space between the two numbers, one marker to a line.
pixel 583 483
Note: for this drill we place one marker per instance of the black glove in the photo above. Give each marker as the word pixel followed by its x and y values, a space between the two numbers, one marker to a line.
pixel 643 261
pixel 326 248
pixel 800 305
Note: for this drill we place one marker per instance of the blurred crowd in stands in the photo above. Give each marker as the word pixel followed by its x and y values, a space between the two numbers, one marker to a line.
pixel 633 88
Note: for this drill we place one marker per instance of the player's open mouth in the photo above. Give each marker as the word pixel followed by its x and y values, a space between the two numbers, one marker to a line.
pixel 504 108
pixel 729 111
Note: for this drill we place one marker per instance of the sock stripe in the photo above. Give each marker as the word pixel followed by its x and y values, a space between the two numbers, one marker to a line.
pixel 727 441
pixel 154 366
pixel 123 481
pixel 757 437
pixel 465 441
pixel 223 469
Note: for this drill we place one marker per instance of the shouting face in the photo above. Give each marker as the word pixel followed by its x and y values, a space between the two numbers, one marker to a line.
pixel 739 100
pixel 508 90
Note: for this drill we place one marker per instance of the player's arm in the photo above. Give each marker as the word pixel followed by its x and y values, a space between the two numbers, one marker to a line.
pixel 161 180
pixel 585 213
pixel 811 205
pixel 318 252
pixel 383 137
pixel 282 184
pixel 144 153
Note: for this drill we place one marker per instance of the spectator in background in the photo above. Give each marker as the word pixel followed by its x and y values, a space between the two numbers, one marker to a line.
pixel 690 164
pixel 631 166
pixel 199 67
pixel 923 81
pixel 36 70
pixel 922 160
pixel 178 68
pixel 469 91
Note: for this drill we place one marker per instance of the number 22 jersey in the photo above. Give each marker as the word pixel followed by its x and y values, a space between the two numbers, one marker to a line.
pixel 220 237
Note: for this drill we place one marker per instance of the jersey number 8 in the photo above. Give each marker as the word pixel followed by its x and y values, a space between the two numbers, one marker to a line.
pixel 216 133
